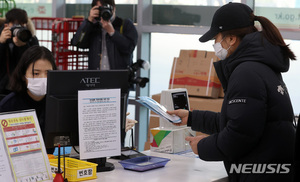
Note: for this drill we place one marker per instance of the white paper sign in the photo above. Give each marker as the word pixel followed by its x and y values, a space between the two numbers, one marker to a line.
pixel 24 148
pixel 99 123
pixel 5 171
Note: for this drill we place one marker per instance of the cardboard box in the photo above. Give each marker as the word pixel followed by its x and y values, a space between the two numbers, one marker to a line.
pixel 147 145
pixel 169 140
pixel 156 97
pixel 194 70
pixel 179 73
pixel 221 94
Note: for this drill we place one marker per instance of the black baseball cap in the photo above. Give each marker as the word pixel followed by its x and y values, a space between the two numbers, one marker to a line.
pixel 228 17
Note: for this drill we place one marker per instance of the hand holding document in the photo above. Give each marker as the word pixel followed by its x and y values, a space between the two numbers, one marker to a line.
pixel 158 109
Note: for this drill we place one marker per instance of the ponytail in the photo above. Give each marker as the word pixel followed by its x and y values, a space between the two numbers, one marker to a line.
pixel 272 34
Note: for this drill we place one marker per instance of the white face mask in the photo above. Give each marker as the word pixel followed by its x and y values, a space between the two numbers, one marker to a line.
pixel 220 52
pixel 37 86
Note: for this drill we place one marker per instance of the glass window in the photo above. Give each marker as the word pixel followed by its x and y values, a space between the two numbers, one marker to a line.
pixel 78 1
pixel 35 8
pixel 195 2
pixel 31 1
pixel 126 1
pixel 81 8
pixel 277 3
pixel 284 14
pixel 182 12
pixel 89 1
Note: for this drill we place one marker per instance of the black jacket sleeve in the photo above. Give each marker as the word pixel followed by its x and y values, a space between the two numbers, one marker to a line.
pixel 33 41
pixel 204 121
pixel 245 122
pixel 81 38
pixel 126 41
pixel 2 53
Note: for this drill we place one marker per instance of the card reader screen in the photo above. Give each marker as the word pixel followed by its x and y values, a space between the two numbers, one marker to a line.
pixel 180 100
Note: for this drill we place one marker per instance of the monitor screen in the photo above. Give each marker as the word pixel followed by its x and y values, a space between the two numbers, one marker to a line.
pixel 61 124
pixel 180 100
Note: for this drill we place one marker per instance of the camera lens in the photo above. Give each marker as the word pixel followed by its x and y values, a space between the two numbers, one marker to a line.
pixel 105 12
pixel 22 33
pixel 106 15
pixel 140 81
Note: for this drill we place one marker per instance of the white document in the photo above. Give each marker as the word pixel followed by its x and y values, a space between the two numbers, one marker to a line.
pixel 24 148
pixel 158 109
pixel 5 170
pixel 99 115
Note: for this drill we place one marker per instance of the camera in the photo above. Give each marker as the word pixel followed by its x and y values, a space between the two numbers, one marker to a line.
pixel 133 79
pixel 105 12
pixel 22 33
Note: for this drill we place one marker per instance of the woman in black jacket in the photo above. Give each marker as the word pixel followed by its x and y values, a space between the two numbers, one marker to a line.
pixel 254 134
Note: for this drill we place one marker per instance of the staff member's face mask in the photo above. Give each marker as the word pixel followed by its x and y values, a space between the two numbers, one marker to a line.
pixel 37 86
pixel 36 78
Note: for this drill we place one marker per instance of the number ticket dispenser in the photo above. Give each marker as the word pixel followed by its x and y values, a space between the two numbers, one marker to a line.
pixel 169 138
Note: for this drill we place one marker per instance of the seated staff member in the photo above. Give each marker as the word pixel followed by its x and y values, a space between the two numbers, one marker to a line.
pixel 29 83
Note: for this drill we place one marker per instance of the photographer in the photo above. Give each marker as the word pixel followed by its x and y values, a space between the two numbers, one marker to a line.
pixel 111 40
pixel 16 36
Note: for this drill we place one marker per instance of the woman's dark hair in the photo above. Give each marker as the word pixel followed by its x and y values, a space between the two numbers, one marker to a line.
pixel 269 31
pixel 16 15
pixel 31 55
pixel 104 2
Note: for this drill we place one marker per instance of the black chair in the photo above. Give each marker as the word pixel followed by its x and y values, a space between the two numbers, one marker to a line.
pixel 2 96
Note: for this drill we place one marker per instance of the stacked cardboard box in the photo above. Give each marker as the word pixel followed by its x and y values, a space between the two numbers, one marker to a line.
pixel 194 70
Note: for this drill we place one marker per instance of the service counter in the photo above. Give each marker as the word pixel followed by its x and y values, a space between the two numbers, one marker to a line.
pixel 178 169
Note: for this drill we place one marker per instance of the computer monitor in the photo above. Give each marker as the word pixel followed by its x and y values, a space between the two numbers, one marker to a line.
pixel 61 123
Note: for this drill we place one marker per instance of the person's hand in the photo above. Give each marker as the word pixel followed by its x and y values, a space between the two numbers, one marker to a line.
pixel 183 114
pixel 107 26
pixel 129 123
pixel 94 13
pixel 194 142
pixel 18 42
pixel 5 34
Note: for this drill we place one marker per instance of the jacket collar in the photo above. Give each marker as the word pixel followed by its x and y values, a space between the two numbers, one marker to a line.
pixel 219 67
